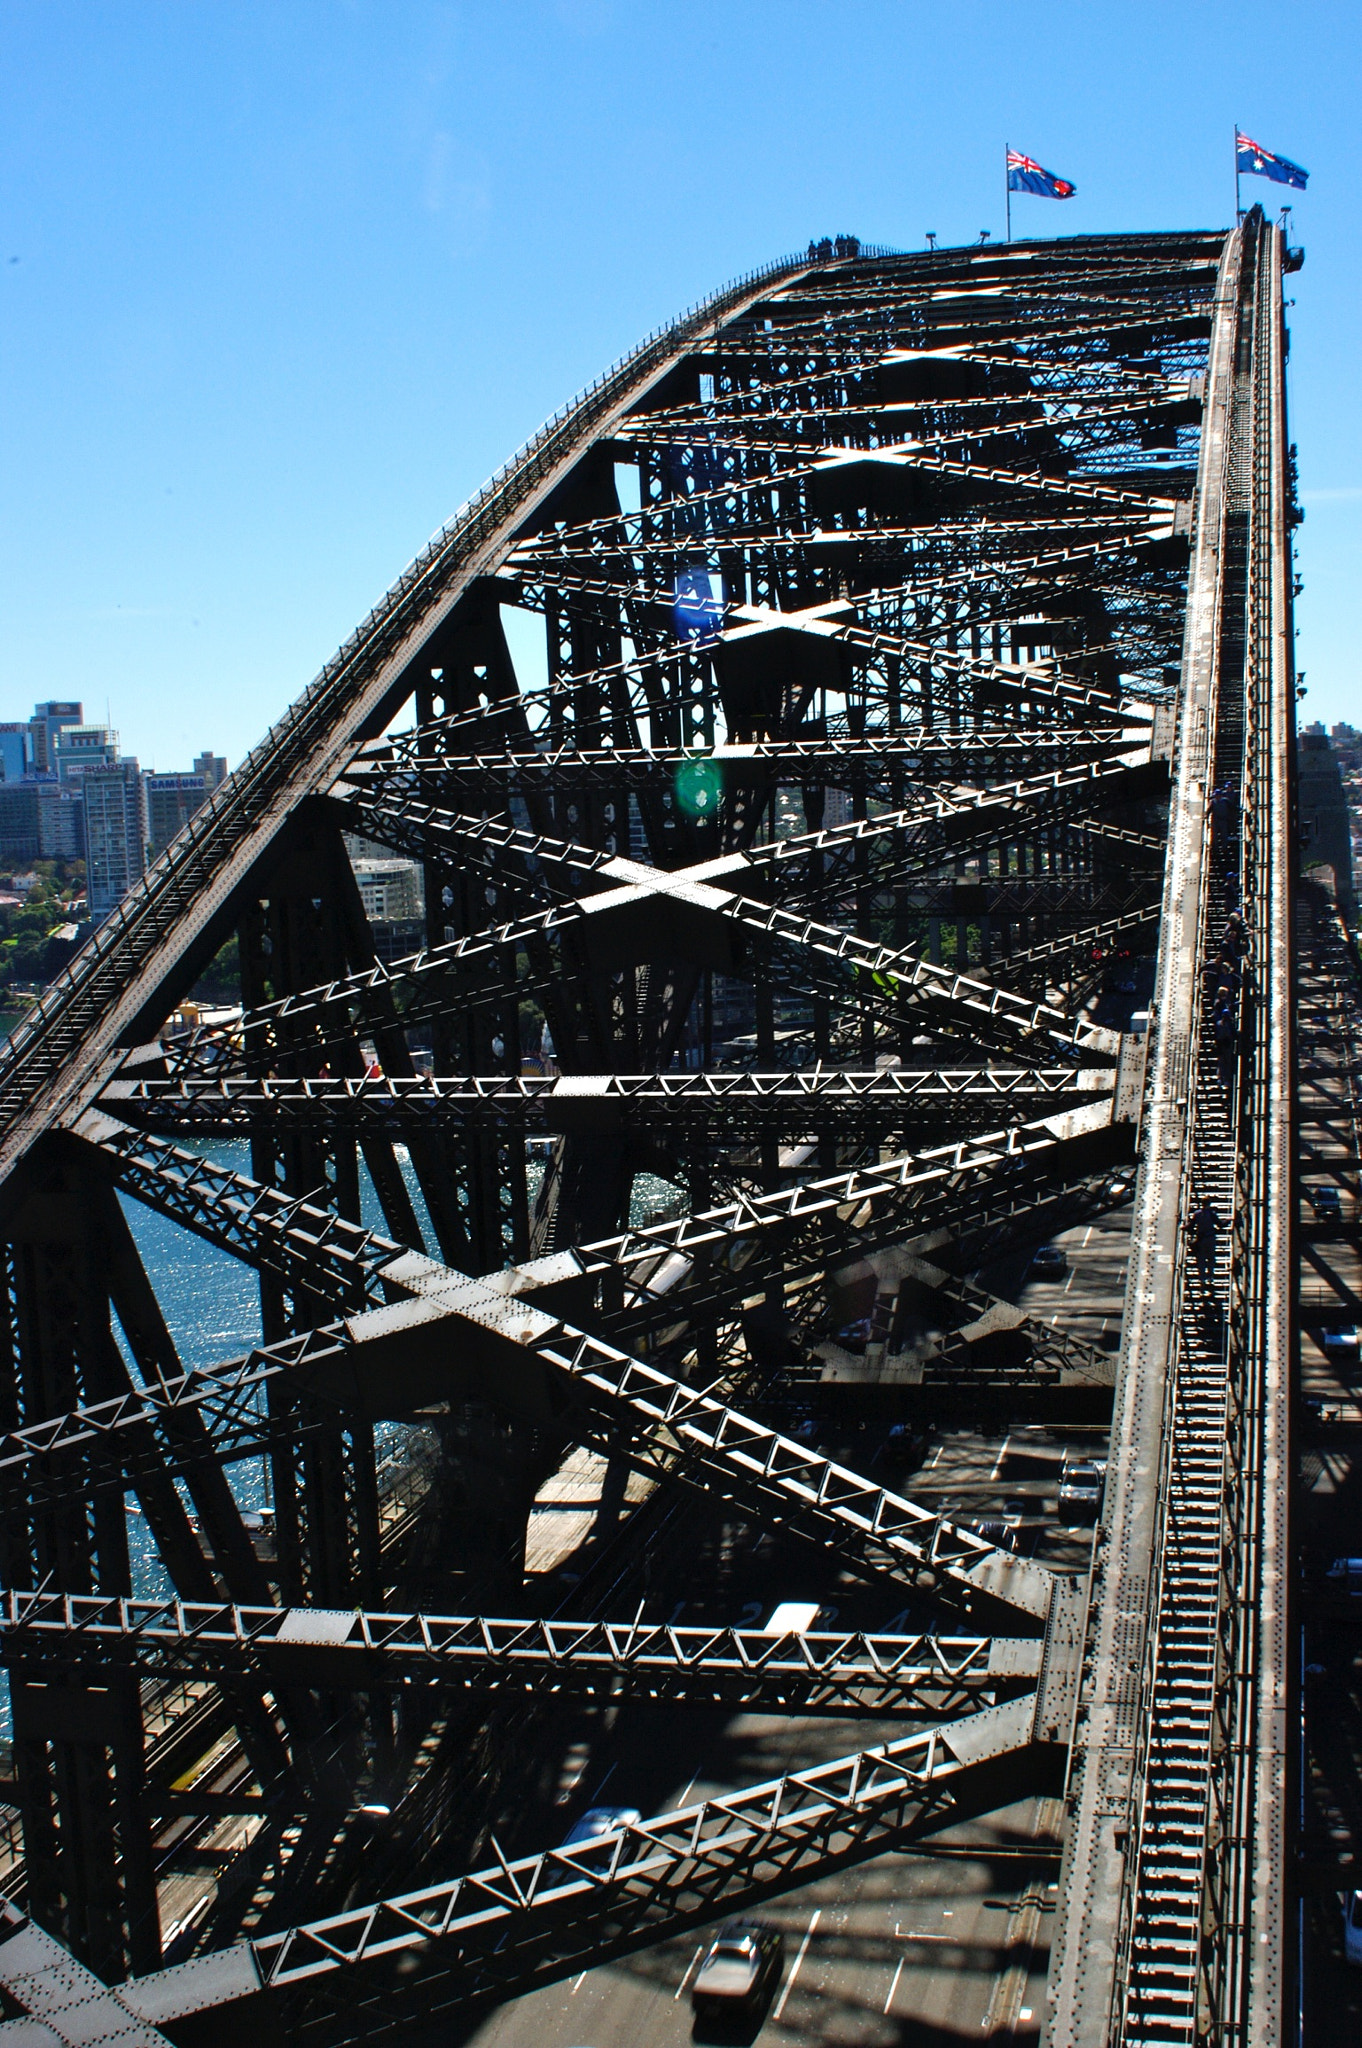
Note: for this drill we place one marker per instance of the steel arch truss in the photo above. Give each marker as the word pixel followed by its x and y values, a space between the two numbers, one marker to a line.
pixel 794 742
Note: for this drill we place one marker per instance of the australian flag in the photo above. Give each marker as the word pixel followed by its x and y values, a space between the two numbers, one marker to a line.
pixel 1025 175
pixel 1251 156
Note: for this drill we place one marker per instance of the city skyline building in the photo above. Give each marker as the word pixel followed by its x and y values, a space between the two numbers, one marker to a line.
pixel 115 832
pixel 40 819
pixel 80 747
pixel 171 801
pixel 61 834
pixel 66 793
pixel 16 751
pixel 47 721
pixel 392 890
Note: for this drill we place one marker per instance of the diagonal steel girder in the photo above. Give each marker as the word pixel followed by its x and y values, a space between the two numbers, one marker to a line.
pixel 458 1338
pixel 815 1220
pixel 700 918
pixel 813 1224
pixel 308 1244
pixel 537 1918
pixel 355 1266
pixel 344 1263
pixel 861 853
pixel 807 1672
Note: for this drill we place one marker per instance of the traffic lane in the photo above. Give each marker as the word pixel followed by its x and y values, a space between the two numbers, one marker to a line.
pixel 919 1946
pixel 1331 1997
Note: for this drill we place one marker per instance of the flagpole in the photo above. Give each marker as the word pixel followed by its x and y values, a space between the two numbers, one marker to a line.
pixel 1238 209
pixel 1007 187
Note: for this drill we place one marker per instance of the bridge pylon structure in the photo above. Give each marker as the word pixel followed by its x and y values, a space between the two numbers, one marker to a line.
pixel 850 756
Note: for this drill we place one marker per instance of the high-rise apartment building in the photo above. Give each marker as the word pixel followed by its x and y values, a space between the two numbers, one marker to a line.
pixel 391 890
pixel 115 831
pixel 47 721
pixel 40 819
pixel 213 769
pixel 171 802
pixel 61 832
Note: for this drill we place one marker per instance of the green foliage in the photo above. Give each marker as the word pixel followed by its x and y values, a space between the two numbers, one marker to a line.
pixel 220 981
pixel 28 953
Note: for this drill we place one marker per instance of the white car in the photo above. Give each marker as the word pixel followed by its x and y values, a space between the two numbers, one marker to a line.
pixel 1080 1490
pixel 739 1971
pixel 1352 1927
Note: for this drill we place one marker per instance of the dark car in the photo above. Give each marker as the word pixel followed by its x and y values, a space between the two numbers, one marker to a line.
pixel 739 1971
pixel 1345 1576
pixel 598 1821
pixel 1325 1202
pixel 1049 1262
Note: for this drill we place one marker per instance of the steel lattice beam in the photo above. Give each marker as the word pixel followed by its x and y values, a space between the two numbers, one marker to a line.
pixel 727 1104
pixel 809 1673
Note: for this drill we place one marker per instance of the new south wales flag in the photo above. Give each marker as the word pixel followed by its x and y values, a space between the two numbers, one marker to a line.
pixel 1024 174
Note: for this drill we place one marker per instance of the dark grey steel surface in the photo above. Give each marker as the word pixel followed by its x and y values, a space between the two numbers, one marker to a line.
pixel 933 577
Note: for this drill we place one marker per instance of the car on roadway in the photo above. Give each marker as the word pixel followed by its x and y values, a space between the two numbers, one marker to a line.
pixel 739 1972
pixel 1352 1927
pixel 1325 1202
pixel 854 1336
pixel 1343 1343
pixel 1345 1576
pixel 599 1821
pixel 1080 1489
pixel 1049 1261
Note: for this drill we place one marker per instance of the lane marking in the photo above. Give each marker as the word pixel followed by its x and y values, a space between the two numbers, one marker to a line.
pixel 577 1986
pixel 689 1967
pixel 604 1782
pixel 788 1985
pixel 894 1986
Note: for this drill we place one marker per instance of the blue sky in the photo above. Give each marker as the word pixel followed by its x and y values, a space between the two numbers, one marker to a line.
pixel 292 279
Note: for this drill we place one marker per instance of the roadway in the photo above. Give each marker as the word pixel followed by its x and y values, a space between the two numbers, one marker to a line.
pixel 932 1948
pixel 937 1945
pixel 1329 1510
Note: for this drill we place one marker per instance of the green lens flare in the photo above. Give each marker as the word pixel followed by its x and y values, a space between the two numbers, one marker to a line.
pixel 699 784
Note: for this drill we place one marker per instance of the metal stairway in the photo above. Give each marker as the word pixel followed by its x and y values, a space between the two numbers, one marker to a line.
pixel 1163 1997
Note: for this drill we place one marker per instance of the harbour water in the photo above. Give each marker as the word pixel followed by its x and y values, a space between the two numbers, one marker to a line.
pixel 211 1303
